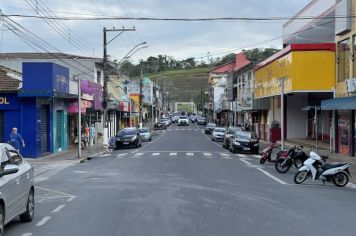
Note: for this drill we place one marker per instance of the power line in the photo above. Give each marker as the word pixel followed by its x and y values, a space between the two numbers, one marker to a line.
pixel 248 19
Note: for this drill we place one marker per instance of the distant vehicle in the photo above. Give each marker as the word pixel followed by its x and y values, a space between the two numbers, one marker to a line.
pixel 201 121
pixel 128 137
pixel 229 134
pixel 160 125
pixel 16 187
pixel 218 134
pixel 244 141
pixel 183 120
pixel 209 128
pixel 167 121
pixel 145 134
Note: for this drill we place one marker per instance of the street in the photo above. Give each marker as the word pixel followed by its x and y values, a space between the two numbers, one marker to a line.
pixel 182 183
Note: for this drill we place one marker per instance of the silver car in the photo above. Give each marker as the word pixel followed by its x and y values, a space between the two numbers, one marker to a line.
pixel 145 134
pixel 16 187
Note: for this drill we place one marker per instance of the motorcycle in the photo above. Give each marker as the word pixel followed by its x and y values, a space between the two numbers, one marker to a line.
pixel 294 157
pixel 338 173
pixel 267 152
pixel 84 142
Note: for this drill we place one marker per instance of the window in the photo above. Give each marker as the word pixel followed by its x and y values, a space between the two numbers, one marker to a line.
pixel 343 66
pixel 15 158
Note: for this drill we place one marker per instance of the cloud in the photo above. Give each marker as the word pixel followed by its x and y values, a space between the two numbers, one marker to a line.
pixel 178 39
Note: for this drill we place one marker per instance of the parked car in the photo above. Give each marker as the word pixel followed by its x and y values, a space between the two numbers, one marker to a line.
pixel 16 187
pixel 167 121
pixel 229 134
pixel 160 125
pixel 218 134
pixel 183 120
pixel 210 128
pixel 244 141
pixel 145 134
pixel 128 137
pixel 201 121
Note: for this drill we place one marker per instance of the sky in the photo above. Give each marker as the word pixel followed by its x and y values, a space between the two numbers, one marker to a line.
pixel 178 39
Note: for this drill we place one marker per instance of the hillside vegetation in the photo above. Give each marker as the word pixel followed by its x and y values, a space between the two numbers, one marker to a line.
pixel 183 85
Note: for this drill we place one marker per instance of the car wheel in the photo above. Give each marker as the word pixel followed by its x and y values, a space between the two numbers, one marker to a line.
pixel 27 216
pixel 2 220
pixel 150 140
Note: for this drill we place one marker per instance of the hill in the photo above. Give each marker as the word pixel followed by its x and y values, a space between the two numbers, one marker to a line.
pixel 183 85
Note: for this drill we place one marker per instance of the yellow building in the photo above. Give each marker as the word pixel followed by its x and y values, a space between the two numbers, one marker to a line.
pixel 308 72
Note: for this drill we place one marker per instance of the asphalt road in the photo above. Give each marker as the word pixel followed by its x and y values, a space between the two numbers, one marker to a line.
pixel 182 183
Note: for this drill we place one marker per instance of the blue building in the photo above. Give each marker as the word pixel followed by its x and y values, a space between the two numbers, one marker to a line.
pixel 38 108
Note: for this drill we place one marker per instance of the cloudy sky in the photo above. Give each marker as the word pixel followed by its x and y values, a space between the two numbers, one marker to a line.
pixel 177 39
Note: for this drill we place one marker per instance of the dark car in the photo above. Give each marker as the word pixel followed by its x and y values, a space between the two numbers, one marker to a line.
pixel 210 128
pixel 244 141
pixel 229 134
pixel 128 137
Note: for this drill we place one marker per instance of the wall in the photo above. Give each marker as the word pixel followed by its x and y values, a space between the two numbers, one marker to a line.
pixel 296 118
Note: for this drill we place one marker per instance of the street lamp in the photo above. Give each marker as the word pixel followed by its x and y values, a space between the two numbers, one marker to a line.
pixel 131 52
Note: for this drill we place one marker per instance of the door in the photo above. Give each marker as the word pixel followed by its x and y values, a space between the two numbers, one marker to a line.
pixel 59 130
pixel 10 187
pixel 22 180
pixel 2 121
pixel 44 128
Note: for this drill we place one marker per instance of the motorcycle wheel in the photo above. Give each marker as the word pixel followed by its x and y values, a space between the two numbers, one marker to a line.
pixel 300 176
pixel 341 179
pixel 282 166
pixel 262 160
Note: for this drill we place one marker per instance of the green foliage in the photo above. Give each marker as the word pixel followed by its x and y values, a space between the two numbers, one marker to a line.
pixel 257 55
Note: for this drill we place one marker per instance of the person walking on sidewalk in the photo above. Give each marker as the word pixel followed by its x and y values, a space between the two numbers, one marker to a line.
pixel 16 140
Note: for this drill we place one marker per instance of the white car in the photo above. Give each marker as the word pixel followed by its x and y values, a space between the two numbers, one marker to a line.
pixel 218 134
pixel 17 192
pixel 183 120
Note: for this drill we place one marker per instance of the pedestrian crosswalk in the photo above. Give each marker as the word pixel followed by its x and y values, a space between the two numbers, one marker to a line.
pixel 194 154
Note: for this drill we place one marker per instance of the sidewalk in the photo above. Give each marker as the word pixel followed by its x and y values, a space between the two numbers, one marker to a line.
pixel 69 155
pixel 323 149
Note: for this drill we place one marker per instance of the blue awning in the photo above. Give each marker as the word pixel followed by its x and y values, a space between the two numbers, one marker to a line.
pixel 348 103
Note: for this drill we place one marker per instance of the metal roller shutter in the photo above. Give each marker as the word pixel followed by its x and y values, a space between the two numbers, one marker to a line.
pixel 44 128
pixel 59 130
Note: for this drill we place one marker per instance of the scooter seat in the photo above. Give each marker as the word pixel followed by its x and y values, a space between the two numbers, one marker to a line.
pixel 330 166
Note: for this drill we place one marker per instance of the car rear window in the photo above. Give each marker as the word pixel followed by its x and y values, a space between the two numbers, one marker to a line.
pixel 219 130
pixel 183 117
pixel 127 132
pixel 143 130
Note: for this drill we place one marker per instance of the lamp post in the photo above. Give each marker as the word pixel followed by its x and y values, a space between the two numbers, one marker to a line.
pixel 281 81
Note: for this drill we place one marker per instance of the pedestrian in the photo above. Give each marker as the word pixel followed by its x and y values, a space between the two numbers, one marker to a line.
pixel 16 140
pixel 92 134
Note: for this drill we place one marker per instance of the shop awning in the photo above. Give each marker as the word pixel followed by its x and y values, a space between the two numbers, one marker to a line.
pixel 348 103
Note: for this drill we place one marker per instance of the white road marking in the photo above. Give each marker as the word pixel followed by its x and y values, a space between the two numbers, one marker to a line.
pixel 189 129
pixel 189 154
pixel 27 234
pixel 173 154
pixel 227 157
pixel 257 156
pixel 135 151
pixel 177 129
pixel 80 172
pixel 156 154
pixel 272 176
pixel 196 129
pixel 241 155
pixel 243 160
pixel 182 129
pixel 139 154
pixel 71 198
pixel 105 155
pixel 122 154
pixel 224 154
pixel 43 221
pixel 207 154
pixel 58 208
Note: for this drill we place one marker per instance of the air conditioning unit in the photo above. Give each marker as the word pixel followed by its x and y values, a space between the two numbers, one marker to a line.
pixel 350 85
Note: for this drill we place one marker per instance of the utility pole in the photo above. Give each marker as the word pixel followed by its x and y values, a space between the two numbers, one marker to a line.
pixel 105 89
pixel 140 98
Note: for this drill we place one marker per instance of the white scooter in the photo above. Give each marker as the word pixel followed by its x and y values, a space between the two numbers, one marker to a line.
pixel 337 173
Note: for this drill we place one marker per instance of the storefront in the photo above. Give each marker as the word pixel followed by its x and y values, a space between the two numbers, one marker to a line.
pixel 42 116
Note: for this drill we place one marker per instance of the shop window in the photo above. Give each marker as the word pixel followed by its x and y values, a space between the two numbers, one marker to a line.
pixel 343 49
